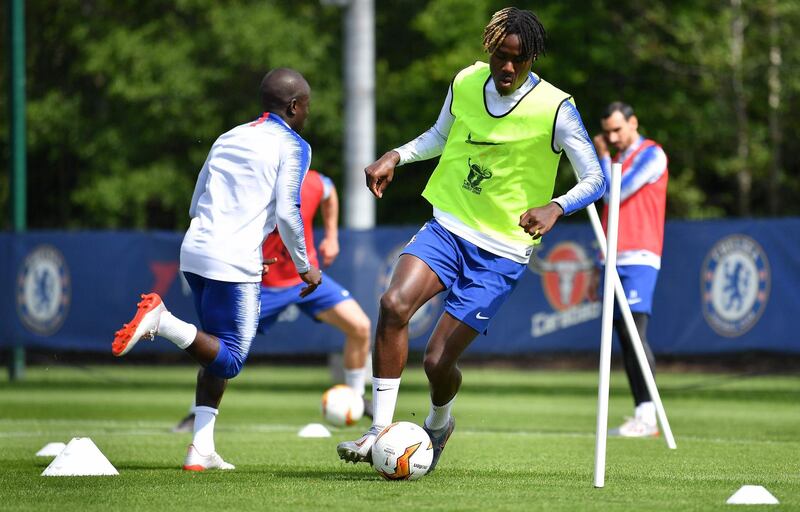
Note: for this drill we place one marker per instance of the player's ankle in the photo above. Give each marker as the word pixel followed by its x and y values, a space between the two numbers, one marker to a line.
pixel 439 415
pixel 181 333
pixel 646 413
pixel 384 399
pixel 203 439
pixel 355 378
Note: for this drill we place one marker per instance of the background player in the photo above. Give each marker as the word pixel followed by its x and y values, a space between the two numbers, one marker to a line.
pixel 330 303
pixel 249 183
pixel 500 135
pixel 642 208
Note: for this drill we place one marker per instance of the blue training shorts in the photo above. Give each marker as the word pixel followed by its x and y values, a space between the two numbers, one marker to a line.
pixel 478 281
pixel 274 300
pixel 230 312
pixel 639 283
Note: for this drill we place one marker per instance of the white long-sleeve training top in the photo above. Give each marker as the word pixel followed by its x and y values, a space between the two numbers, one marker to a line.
pixel 250 181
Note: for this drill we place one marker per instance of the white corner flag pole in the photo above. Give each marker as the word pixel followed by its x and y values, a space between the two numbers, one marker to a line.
pixel 630 325
pixel 607 328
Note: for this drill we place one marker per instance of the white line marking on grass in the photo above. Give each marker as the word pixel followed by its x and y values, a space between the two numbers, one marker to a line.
pixel 39 427
pixel 36 428
pixel 66 421
pixel 84 433
pixel 536 433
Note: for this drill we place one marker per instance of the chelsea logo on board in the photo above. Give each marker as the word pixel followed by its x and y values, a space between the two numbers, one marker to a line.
pixel 43 290
pixel 735 284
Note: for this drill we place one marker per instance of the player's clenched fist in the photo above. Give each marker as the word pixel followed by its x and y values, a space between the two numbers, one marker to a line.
pixel 380 173
pixel 538 221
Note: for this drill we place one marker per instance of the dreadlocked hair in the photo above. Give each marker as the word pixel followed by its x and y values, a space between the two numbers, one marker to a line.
pixel 524 24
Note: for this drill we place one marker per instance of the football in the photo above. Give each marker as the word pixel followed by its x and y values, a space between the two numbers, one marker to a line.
pixel 403 451
pixel 342 406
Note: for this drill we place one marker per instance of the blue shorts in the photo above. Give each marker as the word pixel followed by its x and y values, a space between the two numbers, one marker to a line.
pixel 274 300
pixel 230 312
pixel 478 281
pixel 639 283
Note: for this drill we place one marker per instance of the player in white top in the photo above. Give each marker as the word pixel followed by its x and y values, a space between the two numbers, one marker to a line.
pixel 249 183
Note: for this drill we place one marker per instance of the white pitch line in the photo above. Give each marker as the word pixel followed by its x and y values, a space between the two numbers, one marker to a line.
pixel 716 440
pixel 124 423
pixel 55 421
pixel 151 428
pixel 117 432
pixel 129 433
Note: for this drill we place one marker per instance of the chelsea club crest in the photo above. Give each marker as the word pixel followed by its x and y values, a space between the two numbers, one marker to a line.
pixel 735 284
pixel 43 290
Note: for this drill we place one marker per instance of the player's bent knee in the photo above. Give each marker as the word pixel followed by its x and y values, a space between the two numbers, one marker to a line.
pixel 357 326
pixel 435 367
pixel 226 371
pixel 227 364
pixel 440 366
pixel 394 308
pixel 362 329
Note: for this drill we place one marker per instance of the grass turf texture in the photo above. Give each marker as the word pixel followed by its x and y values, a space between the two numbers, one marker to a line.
pixel 524 441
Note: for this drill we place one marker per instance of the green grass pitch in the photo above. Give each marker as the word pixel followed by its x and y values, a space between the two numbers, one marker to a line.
pixel 524 441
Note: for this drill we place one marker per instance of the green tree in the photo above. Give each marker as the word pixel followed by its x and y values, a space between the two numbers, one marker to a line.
pixel 674 61
pixel 125 98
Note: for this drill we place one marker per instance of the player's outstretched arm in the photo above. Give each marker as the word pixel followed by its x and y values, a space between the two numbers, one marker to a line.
pixel 429 144
pixel 380 173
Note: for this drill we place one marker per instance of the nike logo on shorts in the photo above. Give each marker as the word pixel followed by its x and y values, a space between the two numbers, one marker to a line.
pixel 481 317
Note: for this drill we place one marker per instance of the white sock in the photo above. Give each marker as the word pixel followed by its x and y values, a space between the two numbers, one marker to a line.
pixel 439 416
pixel 181 333
pixel 355 378
pixel 204 419
pixel 384 400
pixel 646 412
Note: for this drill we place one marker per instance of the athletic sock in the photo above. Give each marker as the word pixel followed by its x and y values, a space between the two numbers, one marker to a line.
pixel 355 379
pixel 181 333
pixel 384 400
pixel 439 416
pixel 204 419
pixel 646 412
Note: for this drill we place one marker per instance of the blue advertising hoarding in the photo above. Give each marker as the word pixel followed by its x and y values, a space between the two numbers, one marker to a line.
pixel 725 286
